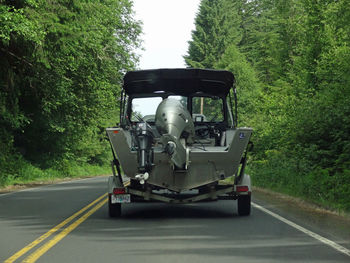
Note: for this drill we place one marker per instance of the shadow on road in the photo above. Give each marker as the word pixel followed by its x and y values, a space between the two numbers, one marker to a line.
pixel 163 211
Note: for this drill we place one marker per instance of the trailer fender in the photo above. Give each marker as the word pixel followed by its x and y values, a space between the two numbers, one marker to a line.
pixel 244 186
pixel 113 182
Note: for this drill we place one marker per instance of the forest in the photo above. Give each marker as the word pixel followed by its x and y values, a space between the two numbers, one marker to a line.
pixel 291 59
pixel 61 69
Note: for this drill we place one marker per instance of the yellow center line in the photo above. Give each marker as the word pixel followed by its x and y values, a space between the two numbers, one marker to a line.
pixel 43 249
pixel 50 232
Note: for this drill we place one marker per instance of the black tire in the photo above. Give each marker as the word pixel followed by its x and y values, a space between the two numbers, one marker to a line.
pixel 114 210
pixel 244 205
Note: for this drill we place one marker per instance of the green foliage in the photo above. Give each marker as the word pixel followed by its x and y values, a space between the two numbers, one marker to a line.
pixel 214 32
pixel 28 173
pixel 61 64
pixel 247 84
pixel 291 59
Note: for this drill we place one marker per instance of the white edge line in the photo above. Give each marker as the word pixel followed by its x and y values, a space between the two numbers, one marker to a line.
pixel 305 231
pixel 46 185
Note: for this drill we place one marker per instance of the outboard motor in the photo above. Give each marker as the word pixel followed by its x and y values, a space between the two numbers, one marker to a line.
pixel 174 123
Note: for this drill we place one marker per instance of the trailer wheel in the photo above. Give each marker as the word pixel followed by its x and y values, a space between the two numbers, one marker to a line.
pixel 114 210
pixel 244 204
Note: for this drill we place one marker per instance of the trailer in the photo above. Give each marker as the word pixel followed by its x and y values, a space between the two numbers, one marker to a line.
pixel 178 140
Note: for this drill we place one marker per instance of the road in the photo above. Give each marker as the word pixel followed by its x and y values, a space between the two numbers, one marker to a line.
pixel 62 223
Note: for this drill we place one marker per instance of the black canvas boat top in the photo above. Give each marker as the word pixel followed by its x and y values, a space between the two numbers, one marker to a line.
pixel 183 82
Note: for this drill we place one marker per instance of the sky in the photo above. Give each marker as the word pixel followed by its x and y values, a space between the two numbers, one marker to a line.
pixel 167 26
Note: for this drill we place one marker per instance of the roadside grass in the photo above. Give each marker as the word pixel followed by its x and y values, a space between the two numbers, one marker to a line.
pixel 28 174
pixel 316 187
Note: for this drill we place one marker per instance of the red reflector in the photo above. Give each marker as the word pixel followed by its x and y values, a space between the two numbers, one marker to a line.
pixel 115 131
pixel 118 191
pixel 242 188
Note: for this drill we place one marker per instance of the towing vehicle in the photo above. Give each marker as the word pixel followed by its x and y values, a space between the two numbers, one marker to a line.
pixel 178 140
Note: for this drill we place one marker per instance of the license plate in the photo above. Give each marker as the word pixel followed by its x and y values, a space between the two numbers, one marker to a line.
pixel 120 199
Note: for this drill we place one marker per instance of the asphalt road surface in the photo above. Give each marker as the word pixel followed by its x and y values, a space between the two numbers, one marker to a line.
pixel 68 222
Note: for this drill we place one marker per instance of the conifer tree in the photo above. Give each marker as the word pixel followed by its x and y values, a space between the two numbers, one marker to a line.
pixel 216 29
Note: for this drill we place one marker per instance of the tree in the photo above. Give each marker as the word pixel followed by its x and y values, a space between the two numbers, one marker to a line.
pixel 215 30
pixel 61 68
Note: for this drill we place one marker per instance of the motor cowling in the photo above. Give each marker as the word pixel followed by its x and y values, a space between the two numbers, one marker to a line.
pixel 174 122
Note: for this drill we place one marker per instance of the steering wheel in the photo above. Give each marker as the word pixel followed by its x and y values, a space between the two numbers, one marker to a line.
pixel 202 131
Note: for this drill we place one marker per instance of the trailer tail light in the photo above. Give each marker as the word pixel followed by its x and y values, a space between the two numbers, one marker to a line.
pixel 242 188
pixel 118 191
